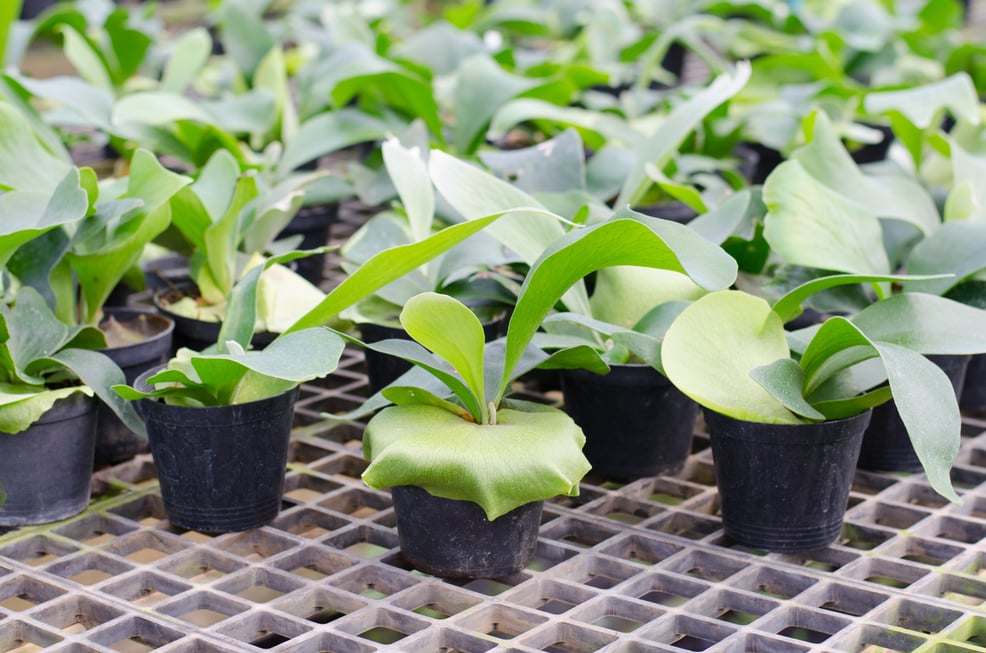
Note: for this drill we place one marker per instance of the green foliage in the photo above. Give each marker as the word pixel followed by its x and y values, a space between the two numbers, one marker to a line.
pixel 43 360
pixel 824 212
pixel 231 219
pixel 109 242
pixel 502 475
pixel 9 13
pixel 729 352
pixel 239 376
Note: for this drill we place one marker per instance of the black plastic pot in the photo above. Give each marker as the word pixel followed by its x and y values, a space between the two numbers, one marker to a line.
pixel 382 369
pixel 675 211
pixel 192 333
pixel 875 152
pixel 159 274
pixel 46 471
pixel 886 445
pixel 313 224
pixel 973 397
pixel 115 442
pixel 767 158
pixel 453 539
pixel 34 8
pixel 784 487
pixel 635 422
pixel 221 468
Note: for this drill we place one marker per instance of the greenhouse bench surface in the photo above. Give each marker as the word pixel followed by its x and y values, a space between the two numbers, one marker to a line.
pixel 640 567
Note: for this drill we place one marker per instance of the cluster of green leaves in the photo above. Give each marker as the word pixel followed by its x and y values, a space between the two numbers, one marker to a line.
pixel 580 73
pixel 230 221
pixel 531 442
pixel 43 360
pixel 729 352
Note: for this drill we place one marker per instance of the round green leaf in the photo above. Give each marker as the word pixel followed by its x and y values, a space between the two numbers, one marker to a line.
pixel 449 329
pixel 710 350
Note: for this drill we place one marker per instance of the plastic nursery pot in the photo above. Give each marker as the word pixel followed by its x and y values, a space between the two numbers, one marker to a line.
pixel 221 468
pixel 784 487
pixel 115 442
pixel 635 422
pixel 46 471
pixel 33 8
pixel 313 224
pixel 973 396
pixel 453 539
pixel 886 445
pixel 675 211
pixel 162 272
pixel 767 158
pixel 192 333
pixel 874 152
pixel 382 369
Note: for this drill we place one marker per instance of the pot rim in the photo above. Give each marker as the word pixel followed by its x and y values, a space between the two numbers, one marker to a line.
pixel 257 405
pixel 786 434
pixel 167 326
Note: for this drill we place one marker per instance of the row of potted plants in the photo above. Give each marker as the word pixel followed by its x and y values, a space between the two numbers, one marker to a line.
pixel 703 305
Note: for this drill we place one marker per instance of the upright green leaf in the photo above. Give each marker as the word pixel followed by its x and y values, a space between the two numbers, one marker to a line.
pixel 86 59
pixel 884 195
pixel 410 176
pixel 9 13
pixel 245 37
pixel 189 54
pixel 221 240
pixel 240 317
pixel 272 76
pixel 967 199
pixel 101 261
pixel 215 186
pixel 482 86
pixel 449 329
pixel 811 225
pixel 661 145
